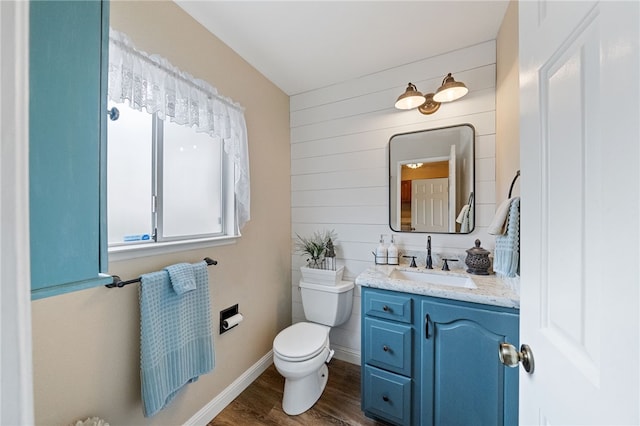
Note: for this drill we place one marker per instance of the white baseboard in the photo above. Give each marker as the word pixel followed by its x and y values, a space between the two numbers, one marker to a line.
pixel 346 354
pixel 224 398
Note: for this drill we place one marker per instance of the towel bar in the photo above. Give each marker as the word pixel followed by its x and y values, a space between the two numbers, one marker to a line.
pixel 513 182
pixel 117 282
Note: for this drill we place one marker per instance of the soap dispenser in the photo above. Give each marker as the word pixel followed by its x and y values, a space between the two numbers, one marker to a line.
pixel 381 252
pixel 392 253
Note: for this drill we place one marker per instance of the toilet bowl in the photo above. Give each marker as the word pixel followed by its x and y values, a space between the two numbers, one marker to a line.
pixel 301 351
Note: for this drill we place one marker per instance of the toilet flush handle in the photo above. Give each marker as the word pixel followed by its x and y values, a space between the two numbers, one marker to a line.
pixel 330 356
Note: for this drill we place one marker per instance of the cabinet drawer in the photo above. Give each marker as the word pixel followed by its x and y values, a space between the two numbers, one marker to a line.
pixel 388 345
pixel 387 395
pixel 387 306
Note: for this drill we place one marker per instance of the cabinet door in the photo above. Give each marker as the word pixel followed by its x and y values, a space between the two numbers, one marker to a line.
pixel 463 381
pixel 67 126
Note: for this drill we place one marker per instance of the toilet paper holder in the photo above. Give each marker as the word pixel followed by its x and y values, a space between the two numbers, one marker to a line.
pixel 229 318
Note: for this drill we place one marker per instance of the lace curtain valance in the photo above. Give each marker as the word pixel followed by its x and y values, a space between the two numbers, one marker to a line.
pixel 153 83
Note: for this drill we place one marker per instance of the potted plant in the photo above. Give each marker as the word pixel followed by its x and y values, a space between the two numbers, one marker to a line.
pixel 321 266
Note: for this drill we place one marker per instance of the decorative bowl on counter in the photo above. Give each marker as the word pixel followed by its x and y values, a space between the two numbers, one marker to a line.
pixel 477 260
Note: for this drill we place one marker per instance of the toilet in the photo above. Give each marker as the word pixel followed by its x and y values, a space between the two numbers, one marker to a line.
pixel 301 351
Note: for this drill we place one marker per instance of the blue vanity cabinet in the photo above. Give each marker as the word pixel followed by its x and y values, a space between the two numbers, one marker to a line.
pixel 462 381
pixel 432 362
pixel 387 355
pixel 68 45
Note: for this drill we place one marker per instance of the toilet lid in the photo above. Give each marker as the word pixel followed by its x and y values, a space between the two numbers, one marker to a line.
pixel 301 341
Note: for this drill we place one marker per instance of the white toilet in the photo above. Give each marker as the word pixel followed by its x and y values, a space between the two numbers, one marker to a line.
pixel 301 351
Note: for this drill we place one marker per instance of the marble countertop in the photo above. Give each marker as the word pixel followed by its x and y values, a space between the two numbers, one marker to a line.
pixel 491 289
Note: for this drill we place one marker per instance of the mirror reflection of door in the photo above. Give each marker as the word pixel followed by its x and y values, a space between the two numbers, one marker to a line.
pixel 424 206
pixel 430 205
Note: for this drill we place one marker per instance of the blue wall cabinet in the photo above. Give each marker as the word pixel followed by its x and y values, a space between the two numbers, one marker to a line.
pixel 434 362
pixel 67 153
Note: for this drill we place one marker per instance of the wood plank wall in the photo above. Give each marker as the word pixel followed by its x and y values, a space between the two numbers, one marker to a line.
pixel 339 177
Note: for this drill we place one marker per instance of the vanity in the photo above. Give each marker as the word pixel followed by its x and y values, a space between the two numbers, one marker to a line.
pixel 430 347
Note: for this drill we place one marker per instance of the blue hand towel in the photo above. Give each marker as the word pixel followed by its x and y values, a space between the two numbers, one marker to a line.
pixel 507 255
pixel 182 277
pixel 176 338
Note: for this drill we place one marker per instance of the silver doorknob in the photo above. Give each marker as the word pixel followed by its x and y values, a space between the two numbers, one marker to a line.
pixel 510 356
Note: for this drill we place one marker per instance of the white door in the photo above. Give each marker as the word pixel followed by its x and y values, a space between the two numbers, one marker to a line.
pixel 430 205
pixel 579 91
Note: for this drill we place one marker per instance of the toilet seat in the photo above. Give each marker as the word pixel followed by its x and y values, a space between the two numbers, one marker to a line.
pixel 301 341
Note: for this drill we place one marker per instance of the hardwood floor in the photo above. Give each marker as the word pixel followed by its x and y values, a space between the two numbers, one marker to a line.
pixel 261 402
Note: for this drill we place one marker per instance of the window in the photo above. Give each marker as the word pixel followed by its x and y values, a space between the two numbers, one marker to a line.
pixel 177 158
pixel 166 182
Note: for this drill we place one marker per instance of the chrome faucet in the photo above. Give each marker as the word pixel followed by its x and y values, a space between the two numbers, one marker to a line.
pixel 429 260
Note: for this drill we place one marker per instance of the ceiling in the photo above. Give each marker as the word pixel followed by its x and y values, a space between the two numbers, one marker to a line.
pixel 305 45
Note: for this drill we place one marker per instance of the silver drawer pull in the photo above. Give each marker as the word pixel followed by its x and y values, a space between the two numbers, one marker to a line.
pixel 385 398
pixel 386 308
pixel 385 348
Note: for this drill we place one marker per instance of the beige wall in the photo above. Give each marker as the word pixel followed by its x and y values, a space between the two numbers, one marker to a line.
pixel 86 348
pixel 507 104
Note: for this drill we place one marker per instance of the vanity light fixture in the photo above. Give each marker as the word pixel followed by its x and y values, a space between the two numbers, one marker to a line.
pixel 411 98
pixel 429 106
pixel 449 91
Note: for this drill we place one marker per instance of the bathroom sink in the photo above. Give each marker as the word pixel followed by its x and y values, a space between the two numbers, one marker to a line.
pixel 425 277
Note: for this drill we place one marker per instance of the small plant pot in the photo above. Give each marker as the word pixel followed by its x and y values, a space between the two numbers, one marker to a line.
pixel 322 276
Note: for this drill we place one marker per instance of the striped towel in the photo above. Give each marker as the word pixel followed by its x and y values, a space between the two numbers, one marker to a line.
pixel 176 338
pixel 507 255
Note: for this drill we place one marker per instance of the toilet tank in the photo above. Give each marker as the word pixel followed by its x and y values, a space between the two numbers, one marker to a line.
pixel 327 304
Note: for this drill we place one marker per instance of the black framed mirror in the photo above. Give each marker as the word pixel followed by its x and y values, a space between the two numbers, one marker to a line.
pixel 432 180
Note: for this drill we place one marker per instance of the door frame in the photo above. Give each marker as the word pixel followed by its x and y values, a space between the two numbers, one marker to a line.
pixel 16 371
